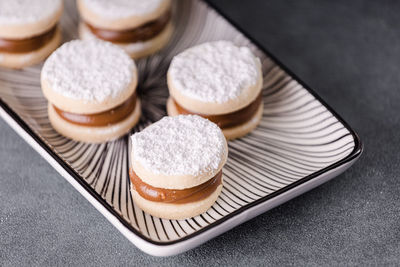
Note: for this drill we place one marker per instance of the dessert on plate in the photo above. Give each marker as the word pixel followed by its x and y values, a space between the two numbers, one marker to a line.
pixel 218 81
pixel 28 31
pixel 91 89
pixel 140 27
pixel 176 168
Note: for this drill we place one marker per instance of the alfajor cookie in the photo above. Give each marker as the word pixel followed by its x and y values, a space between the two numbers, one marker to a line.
pixel 140 27
pixel 176 170
pixel 28 31
pixel 91 89
pixel 218 81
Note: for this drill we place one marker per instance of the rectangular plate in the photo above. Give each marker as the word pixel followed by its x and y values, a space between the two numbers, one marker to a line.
pixel 299 144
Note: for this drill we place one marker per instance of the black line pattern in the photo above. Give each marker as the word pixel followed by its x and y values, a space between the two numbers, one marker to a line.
pixel 297 136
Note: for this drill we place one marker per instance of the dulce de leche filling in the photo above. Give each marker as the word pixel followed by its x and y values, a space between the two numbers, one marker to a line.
pixel 105 118
pixel 142 33
pixel 229 119
pixel 174 196
pixel 28 44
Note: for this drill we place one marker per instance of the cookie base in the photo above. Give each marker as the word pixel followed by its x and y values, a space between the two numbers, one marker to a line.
pixel 94 134
pixel 175 211
pixel 22 60
pixel 138 49
pixel 232 132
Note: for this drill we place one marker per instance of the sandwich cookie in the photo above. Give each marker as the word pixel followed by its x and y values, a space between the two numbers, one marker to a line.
pixel 140 27
pixel 218 81
pixel 28 31
pixel 176 170
pixel 91 89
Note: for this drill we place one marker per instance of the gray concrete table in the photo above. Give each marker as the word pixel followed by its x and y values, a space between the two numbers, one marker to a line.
pixel 349 51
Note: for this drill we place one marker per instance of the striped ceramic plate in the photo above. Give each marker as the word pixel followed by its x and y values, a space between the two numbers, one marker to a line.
pixel 299 144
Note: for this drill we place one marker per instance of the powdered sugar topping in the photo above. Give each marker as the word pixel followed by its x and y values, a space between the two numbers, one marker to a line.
pixel 118 9
pixel 180 145
pixel 214 72
pixel 27 11
pixel 90 70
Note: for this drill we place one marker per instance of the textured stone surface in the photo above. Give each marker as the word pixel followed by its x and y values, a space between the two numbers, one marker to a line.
pixel 349 52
